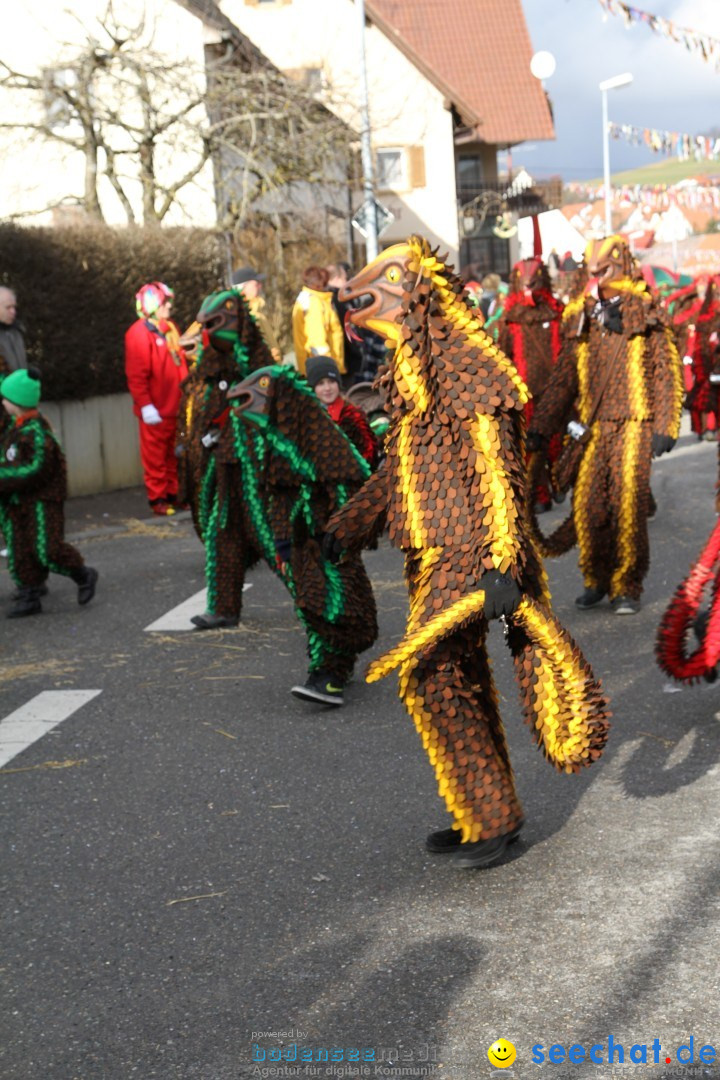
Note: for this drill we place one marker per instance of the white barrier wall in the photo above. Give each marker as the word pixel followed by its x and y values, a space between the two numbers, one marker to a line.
pixel 100 440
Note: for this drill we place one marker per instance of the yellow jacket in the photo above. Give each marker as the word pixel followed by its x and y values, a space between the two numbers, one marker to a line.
pixel 316 328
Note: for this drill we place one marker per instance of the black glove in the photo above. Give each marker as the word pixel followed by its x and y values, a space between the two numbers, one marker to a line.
pixel 534 441
pixel 502 594
pixel 332 548
pixel 662 444
pixel 612 317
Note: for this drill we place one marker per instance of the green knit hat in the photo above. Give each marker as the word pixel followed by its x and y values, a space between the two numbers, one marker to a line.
pixel 21 388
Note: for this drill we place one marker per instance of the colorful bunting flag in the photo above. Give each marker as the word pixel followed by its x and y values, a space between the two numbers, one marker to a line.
pixel 686 147
pixel 692 40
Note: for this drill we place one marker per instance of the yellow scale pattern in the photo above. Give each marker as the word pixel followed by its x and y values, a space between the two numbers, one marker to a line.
pixel 501 513
pixel 454 505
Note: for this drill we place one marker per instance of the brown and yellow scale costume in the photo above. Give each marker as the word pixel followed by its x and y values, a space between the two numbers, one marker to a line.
pixel 614 322
pixel 451 494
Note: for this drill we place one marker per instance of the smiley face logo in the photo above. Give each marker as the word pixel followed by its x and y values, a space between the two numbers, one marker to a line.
pixel 501 1054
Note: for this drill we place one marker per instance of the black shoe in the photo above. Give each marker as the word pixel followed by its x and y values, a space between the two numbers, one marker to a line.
pixel 27 603
pixel 589 599
pixel 86 582
pixel 209 621
pixel 444 841
pixel 41 590
pixel 625 605
pixel 320 686
pixel 485 852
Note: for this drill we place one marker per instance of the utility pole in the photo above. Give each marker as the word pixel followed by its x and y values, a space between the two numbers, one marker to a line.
pixel 371 240
pixel 609 84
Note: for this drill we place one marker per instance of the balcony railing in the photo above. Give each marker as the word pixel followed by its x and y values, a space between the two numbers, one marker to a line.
pixel 540 195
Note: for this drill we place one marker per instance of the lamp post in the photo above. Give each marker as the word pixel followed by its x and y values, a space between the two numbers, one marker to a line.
pixel 609 84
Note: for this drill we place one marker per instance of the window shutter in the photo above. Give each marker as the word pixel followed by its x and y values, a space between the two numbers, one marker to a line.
pixel 416 166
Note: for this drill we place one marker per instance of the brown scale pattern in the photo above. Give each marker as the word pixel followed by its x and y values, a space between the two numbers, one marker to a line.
pixel 232 347
pixel 451 494
pixel 643 396
pixel 529 333
pixel 341 622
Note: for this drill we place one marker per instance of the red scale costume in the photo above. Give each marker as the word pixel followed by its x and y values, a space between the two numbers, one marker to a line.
pixel 614 325
pixel 529 333
pixel 696 322
pixel 451 494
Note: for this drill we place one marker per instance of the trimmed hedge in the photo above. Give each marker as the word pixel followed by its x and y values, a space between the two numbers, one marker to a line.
pixel 76 294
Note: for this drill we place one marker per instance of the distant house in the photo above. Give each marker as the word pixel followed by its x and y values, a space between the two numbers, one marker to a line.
pixel 449 86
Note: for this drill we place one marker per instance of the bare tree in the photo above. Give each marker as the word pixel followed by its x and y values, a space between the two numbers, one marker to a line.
pixel 142 122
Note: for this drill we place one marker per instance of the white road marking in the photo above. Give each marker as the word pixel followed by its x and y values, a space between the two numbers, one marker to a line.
pixel 179 617
pixel 38 716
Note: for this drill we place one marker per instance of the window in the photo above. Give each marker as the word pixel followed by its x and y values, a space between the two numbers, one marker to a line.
pixel 390 170
pixel 470 175
pixel 311 79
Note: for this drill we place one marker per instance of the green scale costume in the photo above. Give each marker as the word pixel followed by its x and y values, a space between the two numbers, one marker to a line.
pixel 282 468
pixel 33 488
pixel 231 348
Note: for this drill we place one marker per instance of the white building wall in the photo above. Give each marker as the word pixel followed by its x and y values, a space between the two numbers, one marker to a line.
pixel 406 110
pixel 38 173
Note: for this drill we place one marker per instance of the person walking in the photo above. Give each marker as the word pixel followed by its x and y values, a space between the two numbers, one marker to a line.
pixel 619 372
pixel 155 366
pixel 33 489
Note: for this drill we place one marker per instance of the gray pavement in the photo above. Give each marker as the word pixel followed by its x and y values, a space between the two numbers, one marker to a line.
pixel 216 860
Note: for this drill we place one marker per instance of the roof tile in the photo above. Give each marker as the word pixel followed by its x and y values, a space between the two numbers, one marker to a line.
pixel 478 52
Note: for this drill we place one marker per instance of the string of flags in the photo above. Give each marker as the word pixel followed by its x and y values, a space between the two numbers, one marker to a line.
pixel 693 40
pixel 700 147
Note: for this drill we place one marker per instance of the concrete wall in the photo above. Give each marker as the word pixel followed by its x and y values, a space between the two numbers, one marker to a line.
pixel 100 440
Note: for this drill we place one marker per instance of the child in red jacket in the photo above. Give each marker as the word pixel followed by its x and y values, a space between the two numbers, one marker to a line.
pixel 155 366
pixel 323 375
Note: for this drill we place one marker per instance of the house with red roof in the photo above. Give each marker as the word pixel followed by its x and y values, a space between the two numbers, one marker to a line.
pixel 449 85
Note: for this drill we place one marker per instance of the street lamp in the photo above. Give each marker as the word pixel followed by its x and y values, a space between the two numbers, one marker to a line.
pixel 609 84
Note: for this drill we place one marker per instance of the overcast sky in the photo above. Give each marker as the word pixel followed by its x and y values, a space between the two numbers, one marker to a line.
pixel 672 89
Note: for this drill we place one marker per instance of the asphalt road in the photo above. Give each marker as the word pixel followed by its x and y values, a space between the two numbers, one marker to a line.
pixel 215 859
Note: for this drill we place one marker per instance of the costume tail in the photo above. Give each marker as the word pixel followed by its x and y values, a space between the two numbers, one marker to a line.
pixel 428 634
pixel 682 612
pixel 564 537
pixel 562 700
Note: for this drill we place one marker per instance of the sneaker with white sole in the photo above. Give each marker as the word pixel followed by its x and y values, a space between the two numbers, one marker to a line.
pixel 625 605
pixel 322 687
